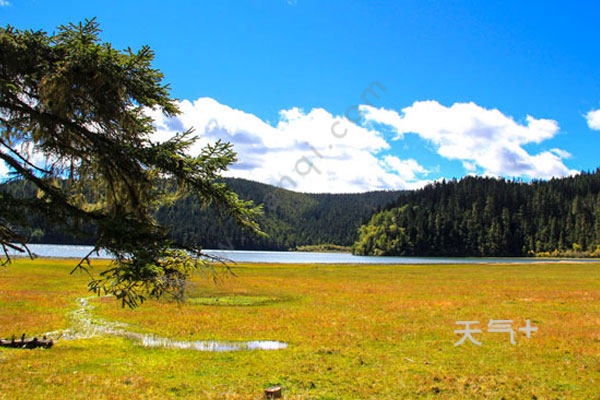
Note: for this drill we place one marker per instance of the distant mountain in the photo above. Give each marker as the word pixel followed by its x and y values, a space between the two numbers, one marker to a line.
pixel 474 216
pixel 290 219
pixel 479 216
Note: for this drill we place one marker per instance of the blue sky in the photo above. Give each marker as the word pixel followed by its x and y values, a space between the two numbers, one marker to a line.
pixel 461 87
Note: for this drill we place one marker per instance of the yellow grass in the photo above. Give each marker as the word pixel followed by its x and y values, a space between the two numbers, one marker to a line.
pixel 355 332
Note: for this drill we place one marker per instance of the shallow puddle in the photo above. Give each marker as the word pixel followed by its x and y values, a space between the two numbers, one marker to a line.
pixel 85 325
pixel 211 345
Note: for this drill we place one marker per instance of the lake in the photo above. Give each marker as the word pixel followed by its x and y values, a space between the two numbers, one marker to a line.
pixel 293 257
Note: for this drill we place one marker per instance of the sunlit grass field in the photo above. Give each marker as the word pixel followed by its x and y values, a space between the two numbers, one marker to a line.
pixel 354 332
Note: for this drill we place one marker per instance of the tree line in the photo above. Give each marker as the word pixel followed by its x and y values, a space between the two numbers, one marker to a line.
pixel 474 216
pixel 290 219
pixel 480 216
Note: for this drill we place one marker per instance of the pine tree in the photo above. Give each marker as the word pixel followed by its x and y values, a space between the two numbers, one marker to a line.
pixel 73 124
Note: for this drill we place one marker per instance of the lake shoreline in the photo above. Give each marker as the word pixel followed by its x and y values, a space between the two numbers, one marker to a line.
pixel 236 264
pixel 78 252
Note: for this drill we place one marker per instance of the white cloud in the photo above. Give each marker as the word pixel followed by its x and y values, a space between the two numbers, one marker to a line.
pixel 3 170
pixel 311 151
pixel 561 153
pixel 478 137
pixel 593 119
pixel 4 3
pixel 406 169
pixel 469 166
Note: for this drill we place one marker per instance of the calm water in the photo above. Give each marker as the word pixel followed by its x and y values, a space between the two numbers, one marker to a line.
pixel 84 325
pixel 73 251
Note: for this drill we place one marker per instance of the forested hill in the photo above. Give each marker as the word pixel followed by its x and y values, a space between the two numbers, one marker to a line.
pixel 490 217
pixel 290 219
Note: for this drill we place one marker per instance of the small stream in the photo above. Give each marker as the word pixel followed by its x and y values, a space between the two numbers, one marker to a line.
pixel 84 325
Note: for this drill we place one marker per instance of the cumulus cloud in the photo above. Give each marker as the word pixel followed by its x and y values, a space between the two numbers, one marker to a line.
pixel 480 138
pixel 312 151
pixel 410 171
pixel 593 119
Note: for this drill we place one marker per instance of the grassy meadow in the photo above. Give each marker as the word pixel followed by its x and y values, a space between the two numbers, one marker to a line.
pixel 354 332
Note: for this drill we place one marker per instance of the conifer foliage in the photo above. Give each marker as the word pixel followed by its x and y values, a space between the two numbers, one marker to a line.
pixel 479 216
pixel 72 123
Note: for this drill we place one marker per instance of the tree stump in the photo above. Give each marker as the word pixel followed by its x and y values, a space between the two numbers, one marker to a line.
pixel 274 392
pixel 27 343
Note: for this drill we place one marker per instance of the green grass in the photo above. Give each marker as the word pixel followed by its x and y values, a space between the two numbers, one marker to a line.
pixel 235 300
pixel 355 332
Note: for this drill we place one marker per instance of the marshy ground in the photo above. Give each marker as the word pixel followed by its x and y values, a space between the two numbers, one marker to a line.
pixel 354 332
